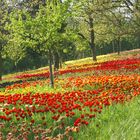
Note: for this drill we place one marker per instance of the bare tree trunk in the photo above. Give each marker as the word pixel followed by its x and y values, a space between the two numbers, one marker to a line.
pixel 92 38
pixel 60 63
pixel 50 69
pixel 113 45
pixel 56 61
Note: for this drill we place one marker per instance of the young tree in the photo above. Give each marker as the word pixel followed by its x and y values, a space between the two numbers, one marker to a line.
pixel 41 32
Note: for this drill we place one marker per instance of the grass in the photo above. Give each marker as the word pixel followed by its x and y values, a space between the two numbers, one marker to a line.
pixel 118 122
pixel 107 57
pixel 100 58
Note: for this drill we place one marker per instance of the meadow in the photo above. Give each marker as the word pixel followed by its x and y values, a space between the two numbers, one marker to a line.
pixel 90 100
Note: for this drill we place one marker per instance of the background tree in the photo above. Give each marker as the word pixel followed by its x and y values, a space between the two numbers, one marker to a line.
pixel 89 13
pixel 3 18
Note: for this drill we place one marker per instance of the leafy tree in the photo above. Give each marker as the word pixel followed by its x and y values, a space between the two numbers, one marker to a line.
pixel 103 22
pixel 122 21
pixel 89 13
pixel 133 10
pixel 41 32
pixel 3 32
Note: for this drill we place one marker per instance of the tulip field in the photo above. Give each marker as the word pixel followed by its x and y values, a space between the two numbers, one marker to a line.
pixel 90 100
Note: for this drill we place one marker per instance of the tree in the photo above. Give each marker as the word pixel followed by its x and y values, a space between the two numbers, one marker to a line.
pixel 89 13
pixel 41 32
pixel 133 10
pixel 3 32
pixel 83 12
pixel 123 20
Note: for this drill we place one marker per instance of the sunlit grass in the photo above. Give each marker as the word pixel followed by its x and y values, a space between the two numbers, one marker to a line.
pixel 117 122
pixel 87 60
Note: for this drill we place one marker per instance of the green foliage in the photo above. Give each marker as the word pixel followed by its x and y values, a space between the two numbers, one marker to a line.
pixel 115 122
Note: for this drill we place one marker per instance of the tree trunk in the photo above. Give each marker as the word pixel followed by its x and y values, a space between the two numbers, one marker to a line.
pixel 50 69
pixel 113 45
pixel 60 63
pixel 56 61
pixel 119 45
pixel 92 38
